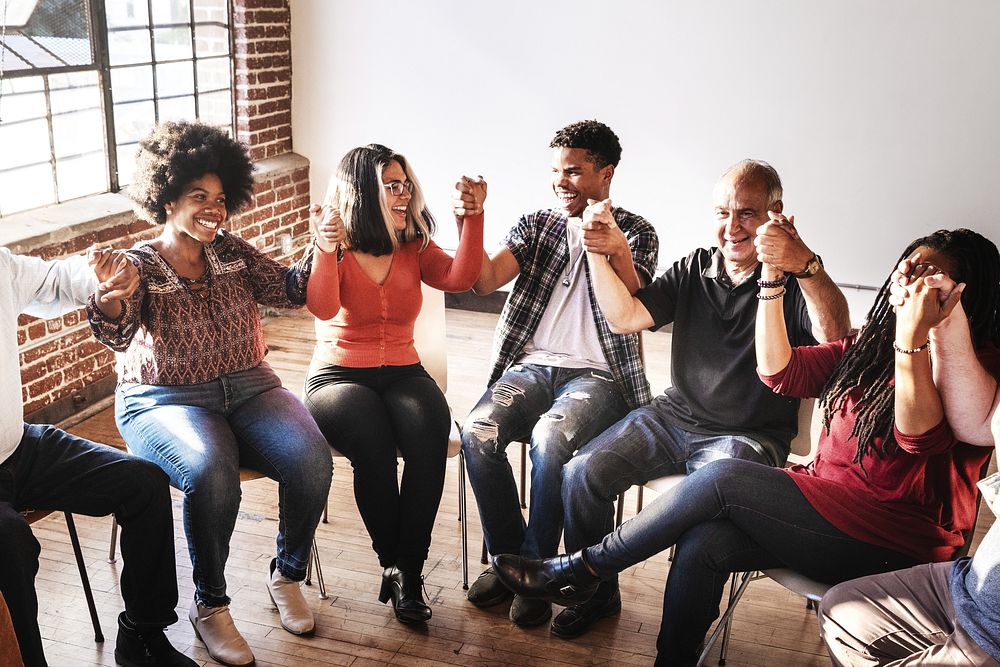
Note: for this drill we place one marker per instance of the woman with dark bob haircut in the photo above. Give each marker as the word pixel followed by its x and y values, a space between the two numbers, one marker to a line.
pixel 195 395
pixel 890 486
pixel 366 387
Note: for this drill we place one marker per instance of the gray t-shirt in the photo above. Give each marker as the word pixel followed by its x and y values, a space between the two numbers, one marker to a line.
pixel 566 336
pixel 975 592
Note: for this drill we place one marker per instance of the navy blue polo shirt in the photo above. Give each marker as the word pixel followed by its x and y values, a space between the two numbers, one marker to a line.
pixel 715 388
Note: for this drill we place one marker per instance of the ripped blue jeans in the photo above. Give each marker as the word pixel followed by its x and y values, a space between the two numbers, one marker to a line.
pixel 558 411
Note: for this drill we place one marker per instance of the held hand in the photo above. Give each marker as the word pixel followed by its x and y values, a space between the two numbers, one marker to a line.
pixel 778 244
pixel 923 306
pixel 327 226
pixel 117 276
pixel 469 196
pixel 601 234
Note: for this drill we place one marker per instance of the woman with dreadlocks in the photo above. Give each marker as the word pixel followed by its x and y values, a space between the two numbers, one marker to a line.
pixel 890 486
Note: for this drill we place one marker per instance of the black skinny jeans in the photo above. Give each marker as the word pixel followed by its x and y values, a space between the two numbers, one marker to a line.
pixel 731 516
pixel 367 414
pixel 53 470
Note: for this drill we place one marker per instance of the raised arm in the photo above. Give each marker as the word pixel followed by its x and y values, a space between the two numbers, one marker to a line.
pixel 613 280
pixel 770 335
pixel 496 271
pixel 779 244
pixel 918 406
pixel 323 288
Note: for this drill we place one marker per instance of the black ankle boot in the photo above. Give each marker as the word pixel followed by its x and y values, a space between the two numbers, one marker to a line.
pixel 405 589
pixel 146 647
pixel 564 580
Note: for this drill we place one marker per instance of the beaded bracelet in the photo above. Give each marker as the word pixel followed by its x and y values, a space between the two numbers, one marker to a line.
pixel 780 282
pixel 769 297
pixel 903 350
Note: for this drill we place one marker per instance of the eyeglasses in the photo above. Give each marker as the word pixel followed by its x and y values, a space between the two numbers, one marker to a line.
pixel 397 187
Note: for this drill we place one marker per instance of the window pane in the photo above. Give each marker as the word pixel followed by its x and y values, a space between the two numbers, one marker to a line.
pixel 211 40
pixel 216 108
pixel 26 188
pixel 131 84
pixel 172 43
pixel 24 143
pixel 178 108
pixel 127 13
pixel 73 92
pixel 213 74
pixel 211 10
pixel 23 99
pixel 78 133
pixel 174 79
pixel 170 11
pixel 133 121
pixel 128 46
pixel 83 175
pixel 55 33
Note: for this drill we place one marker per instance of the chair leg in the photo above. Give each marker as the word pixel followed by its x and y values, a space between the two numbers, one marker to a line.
pixel 620 511
pixel 462 514
pixel 638 500
pixel 87 592
pixel 112 557
pixel 524 475
pixel 484 559
pixel 724 650
pixel 723 624
pixel 319 572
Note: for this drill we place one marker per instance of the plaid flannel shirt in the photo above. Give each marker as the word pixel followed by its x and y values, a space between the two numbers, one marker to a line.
pixel 538 243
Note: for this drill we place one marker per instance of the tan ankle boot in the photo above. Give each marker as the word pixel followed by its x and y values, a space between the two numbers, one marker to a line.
pixel 214 626
pixel 296 616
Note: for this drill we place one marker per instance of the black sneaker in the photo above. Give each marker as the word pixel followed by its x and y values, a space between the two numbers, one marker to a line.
pixel 148 647
pixel 529 612
pixel 487 590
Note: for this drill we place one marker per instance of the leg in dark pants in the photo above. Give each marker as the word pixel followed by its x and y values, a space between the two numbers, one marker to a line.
pixel 53 470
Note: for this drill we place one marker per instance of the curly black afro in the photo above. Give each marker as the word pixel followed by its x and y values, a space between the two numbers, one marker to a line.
pixel 176 153
pixel 595 137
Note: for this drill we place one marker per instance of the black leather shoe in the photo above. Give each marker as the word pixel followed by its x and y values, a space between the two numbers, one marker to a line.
pixel 405 589
pixel 564 580
pixel 146 647
pixel 574 621
pixel 487 590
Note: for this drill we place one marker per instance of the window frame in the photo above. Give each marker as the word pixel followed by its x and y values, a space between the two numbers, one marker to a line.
pixel 96 11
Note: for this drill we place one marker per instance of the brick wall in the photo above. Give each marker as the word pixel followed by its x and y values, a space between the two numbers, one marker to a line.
pixel 63 369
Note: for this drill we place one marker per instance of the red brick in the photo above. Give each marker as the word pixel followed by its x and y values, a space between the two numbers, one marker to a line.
pixel 44 385
pixel 285 192
pixel 36 330
pixel 282 207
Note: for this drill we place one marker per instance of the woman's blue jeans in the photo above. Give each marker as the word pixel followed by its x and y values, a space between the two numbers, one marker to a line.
pixel 201 435
pixel 729 516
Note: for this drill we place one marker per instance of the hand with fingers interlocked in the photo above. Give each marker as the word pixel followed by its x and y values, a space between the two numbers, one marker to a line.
pixel 468 196
pixel 328 227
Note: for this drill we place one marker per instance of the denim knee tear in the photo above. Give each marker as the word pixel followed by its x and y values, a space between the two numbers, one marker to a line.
pixel 504 393
pixel 601 376
pixel 553 416
pixel 485 430
pixel 578 395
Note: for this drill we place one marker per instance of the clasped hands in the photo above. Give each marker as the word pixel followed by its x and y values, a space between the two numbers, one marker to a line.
pixel 468 196
pixel 779 247
pixel 328 227
pixel 923 296
pixel 117 276
pixel 601 234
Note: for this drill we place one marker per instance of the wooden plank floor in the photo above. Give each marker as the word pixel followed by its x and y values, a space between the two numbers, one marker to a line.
pixel 771 627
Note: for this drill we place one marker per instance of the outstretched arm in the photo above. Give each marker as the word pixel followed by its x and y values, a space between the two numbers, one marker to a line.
pixel 612 271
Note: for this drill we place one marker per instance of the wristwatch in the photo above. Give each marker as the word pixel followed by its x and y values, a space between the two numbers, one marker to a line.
pixel 813 266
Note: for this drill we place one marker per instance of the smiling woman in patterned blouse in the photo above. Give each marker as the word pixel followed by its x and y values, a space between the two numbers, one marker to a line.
pixel 195 395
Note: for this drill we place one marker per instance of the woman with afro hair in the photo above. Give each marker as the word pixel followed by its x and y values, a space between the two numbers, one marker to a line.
pixel 195 395
pixel 890 486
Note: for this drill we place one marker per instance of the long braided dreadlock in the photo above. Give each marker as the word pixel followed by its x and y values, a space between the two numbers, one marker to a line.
pixel 869 365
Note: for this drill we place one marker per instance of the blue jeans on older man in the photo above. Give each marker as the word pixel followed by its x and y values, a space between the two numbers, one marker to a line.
pixel 201 435
pixel 558 410
pixel 641 447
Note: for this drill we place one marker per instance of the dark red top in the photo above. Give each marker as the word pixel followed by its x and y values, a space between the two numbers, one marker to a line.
pixel 920 501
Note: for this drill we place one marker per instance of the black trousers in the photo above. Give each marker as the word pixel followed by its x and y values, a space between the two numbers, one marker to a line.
pixel 367 414
pixel 53 470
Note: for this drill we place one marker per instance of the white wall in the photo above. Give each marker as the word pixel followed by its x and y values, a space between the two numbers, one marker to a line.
pixel 881 116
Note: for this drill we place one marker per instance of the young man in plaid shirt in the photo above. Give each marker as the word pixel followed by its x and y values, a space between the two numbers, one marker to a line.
pixel 560 376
